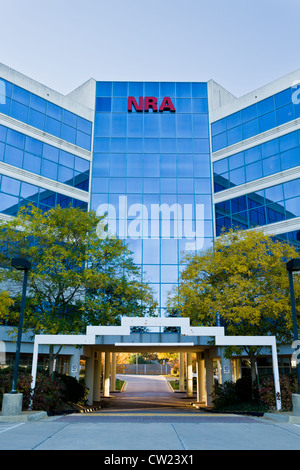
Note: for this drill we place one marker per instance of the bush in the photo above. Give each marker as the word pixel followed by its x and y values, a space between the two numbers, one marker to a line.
pixel 288 386
pixel 52 394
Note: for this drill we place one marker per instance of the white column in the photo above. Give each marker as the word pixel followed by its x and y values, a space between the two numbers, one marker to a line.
pixel 209 372
pixel 200 378
pixel 75 363
pixel 226 367
pixel 89 377
pixel 181 372
pixel 113 372
pixel 97 377
pixel 276 375
pixel 106 381
pixel 189 367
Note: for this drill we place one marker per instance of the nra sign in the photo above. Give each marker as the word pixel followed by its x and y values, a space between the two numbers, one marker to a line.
pixel 150 102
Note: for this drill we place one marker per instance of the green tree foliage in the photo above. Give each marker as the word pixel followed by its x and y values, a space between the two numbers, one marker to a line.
pixel 243 281
pixel 79 276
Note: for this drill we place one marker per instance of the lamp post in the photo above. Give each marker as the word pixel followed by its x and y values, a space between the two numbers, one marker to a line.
pixel 293 266
pixel 21 264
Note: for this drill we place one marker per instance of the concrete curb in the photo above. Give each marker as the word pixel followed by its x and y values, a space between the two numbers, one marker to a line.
pixel 24 416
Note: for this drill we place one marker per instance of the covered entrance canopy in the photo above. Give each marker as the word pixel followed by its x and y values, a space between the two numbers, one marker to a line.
pixel 207 342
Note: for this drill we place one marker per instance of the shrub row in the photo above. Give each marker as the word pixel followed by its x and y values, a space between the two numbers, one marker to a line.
pixel 230 394
pixel 54 394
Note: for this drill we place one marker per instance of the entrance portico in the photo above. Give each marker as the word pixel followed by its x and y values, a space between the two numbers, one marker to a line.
pixel 206 342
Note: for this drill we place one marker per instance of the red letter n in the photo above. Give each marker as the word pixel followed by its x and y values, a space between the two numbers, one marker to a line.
pixel 132 101
pixel 167 105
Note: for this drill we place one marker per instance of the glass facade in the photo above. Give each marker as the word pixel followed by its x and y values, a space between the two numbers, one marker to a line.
pixel 270 205
pixel 15 194
pixel 152 174
pixel 267 159
pixel 151 167
pixel 31 109
pixel 271 112
pixel 33 155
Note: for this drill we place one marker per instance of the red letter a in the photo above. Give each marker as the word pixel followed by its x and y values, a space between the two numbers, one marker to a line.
pixel 167 105
pixel 132 101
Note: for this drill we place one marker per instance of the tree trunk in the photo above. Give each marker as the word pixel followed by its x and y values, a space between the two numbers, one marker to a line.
pixel 252 359
pixel 52 357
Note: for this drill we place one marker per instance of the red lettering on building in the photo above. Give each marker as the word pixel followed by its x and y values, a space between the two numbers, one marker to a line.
pixel 132 101
pixel 167 105
pixel 150 102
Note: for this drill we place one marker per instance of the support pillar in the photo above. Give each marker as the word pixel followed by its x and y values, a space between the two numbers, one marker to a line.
pixel 89 377
pixel 189 367
pixel 200 379
pixel 97 377
pixel 226 367
pixel 209 372
pixel 181 372
pixel 113 372
pixel 74 368
pixel 106 381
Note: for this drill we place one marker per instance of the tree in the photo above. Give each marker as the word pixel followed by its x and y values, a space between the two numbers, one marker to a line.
pixel 79 277
pixel 242 280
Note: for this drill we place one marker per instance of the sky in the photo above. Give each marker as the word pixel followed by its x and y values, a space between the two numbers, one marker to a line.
pixel 241 44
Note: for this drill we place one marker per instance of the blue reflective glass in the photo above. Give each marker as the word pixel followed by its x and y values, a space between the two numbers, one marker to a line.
pixel 201 166
pixel 69 118
pixel 54 111
pixel 290 158
pixel 234 120
pixel 15 138
pixel 151 145
pixel 267 121
pixel 19 111
pixel 50 152
pixel 285 114
pixel 288 141
pixel 235 161
pixel 283 98
pixel 102 125
pixel 49 169
pixel 68 133
pixel 199 90
pixel 134 165
pixel 250 129
pixel 293 206
pixel 52 126
pixel 265 106
pixel 32 163
pixel 20 95
pixel 219 141
pixel 168 126
pixel 38 103
pixel 103 88
pixel 136 89
pixel 200 125
pixel 135 125
pixel 120 89
pixel 183 90
pixel 237 176
pixel 253 171
pixel 271 165
pixel 270 148
pixel 151 89
pixel 33 146
pixel 151 125
pixel 13 156
pixel 151 165
pixel 200 106
pixel 119 125
pixel 249 113
pixel 183 105
pixel 234 135
pixel 167 89
pixel 218 127
pixel 10 185
pixel 36 119
pixel 252 155
pixel 103 104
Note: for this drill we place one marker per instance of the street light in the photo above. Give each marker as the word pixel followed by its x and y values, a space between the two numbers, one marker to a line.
pixel 21 264
pixel 293 266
